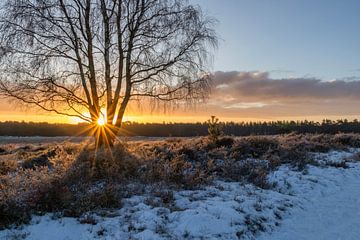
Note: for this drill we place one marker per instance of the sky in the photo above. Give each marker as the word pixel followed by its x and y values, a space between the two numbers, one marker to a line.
pixel 302 38
pixel 277 59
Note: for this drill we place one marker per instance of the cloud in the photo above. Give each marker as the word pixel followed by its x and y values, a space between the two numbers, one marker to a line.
pixel 246 105
pixel 256 89
pixel 239 96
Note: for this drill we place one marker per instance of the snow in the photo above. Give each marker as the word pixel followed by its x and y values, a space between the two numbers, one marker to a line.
pixel 322 202
pixel 330 208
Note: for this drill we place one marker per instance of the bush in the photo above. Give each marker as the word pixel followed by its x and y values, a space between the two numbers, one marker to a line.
pixel 72 186
pixel 176 171
pixel 2 150
pixel 13 213
pixel 253 147
pixel 39 161
pixel 341 164
pixel 18 194
pixel 104 163
pixel 76 199
pixel 251 171
pixel 224 142
pixel 167 197
pixel 350 140
pixel 214 129
pixel 8 166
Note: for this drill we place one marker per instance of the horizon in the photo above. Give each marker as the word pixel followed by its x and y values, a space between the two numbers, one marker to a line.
pixel 255 121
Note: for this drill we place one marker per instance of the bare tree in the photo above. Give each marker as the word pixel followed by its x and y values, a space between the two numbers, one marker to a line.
pixel 77 57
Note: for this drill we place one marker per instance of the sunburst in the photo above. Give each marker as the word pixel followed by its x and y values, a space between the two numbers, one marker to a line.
pixel 101 121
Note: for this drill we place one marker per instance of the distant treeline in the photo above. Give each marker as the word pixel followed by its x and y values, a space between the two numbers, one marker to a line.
pixel 184 129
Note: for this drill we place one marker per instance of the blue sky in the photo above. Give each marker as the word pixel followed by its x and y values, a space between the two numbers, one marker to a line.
pixel 288 38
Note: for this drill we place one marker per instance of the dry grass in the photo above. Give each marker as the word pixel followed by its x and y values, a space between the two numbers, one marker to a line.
pixel 8 166
pixel 74 178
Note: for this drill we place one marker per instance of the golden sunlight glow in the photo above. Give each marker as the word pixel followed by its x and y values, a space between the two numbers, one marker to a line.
pixel 101 120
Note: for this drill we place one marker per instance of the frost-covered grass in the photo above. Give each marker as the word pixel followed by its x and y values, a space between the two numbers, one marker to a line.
pixel 176 188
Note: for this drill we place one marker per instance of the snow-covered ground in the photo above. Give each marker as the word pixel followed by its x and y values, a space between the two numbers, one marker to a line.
pixel 321 202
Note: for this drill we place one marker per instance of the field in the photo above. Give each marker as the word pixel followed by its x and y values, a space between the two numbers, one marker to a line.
pixel 293 186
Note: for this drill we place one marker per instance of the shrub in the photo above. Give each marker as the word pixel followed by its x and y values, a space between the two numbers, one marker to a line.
pixel 350 140
pixel 188 152
pixel 18 194
pixel 224 142
pixel 214 129
pixel 253 147
pixel 341 164
pixel 104 163
pixel 178 171
pixel 70 187
pixel 251 171
pixel 2 150
pixel 7 166
pixel 39 161
pixel 167 197
pixel 76 199
pixel 11 212
pixel 258 177
pixel 296 157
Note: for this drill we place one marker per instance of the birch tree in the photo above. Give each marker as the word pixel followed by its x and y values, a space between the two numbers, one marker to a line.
pixel 77 57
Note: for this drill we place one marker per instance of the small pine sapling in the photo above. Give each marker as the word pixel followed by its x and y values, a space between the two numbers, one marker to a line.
pixel 214 129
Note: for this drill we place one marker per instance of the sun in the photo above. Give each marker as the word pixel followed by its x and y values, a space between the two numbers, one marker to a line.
pixel 101 121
